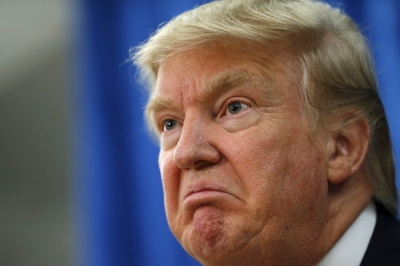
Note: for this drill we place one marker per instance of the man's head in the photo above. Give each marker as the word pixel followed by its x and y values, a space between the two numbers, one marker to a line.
pixel 272 134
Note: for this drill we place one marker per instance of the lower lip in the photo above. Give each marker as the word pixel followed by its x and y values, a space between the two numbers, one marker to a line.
pixel 205 197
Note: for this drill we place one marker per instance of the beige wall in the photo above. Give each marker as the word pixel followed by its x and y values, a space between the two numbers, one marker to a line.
pixel 35 53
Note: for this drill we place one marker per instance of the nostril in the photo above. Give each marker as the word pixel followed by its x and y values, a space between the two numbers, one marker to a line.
pixel 196 156
pixel 201 165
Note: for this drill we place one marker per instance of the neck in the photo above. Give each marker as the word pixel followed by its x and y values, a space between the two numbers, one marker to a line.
pixel 347 201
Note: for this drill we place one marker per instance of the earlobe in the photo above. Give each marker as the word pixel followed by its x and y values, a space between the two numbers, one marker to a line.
pixel 350 147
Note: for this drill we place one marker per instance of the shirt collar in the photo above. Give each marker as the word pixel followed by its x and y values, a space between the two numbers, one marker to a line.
pixel 351 247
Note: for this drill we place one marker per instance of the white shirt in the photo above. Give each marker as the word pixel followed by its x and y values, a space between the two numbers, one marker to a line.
pixel 351 247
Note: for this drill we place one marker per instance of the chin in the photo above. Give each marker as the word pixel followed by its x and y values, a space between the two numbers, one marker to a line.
pixel 210 239
pixel 206 233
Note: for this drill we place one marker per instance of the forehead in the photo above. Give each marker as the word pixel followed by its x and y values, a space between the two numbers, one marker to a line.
pixel 215 63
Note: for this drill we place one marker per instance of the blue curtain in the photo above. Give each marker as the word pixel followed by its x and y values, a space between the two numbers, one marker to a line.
pixel 118 201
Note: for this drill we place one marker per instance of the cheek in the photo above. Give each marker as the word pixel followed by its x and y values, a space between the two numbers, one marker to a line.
pixel 170 177
pixel 260 167
pixel 305 182
pixel 279 170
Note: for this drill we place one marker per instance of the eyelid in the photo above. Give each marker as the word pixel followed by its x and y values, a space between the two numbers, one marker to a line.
pixel 160 122
pixel 243 107
pixel 242 100
pixel 167 121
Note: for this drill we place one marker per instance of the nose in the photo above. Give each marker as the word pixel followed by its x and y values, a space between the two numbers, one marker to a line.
pixel 196 147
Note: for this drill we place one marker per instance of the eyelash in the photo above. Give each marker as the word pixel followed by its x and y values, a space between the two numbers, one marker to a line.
pixel 167 121
pixel 241 106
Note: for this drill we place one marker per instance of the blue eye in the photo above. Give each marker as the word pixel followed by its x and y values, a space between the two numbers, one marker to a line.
pixel 236 107
pixel 169 124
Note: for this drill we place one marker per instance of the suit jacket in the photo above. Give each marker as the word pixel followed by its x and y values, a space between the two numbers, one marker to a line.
pixel 384 246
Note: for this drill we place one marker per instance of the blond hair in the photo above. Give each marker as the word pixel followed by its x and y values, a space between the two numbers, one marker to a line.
pixel 337 69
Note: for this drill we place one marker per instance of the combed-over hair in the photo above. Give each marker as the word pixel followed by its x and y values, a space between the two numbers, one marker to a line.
pixel 338 81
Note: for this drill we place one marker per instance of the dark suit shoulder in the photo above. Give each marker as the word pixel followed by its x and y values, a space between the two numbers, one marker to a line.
pixel 384 246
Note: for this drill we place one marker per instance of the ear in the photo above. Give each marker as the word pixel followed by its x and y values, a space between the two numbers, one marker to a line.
pixel 350 147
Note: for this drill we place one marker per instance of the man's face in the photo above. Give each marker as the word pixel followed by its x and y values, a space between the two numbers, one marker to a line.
pixel 242 179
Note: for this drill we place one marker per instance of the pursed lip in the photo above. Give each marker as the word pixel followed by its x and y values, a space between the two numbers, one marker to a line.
pixel 203 190
pixel 199 187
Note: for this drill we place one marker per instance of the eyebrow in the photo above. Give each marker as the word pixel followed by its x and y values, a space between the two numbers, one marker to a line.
pixel 218 84
pixel 157 104
pixel 227 80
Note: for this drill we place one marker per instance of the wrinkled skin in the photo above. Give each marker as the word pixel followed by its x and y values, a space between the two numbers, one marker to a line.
pixel 244 184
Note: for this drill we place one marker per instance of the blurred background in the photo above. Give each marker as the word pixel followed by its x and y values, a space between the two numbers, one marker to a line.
pixel 35 161
pixel 79 183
